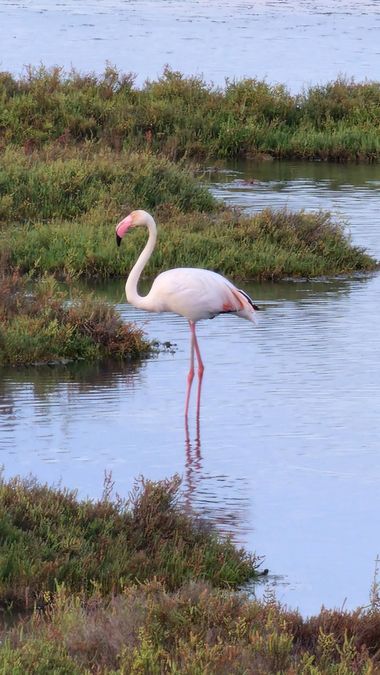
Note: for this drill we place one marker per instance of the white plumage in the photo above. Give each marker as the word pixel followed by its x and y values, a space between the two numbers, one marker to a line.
pixel 196 294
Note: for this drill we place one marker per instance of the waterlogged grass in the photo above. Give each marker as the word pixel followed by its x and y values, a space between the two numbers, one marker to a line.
pixel 49 537
pixel 268 245
pixel 43 326
pixel 186 117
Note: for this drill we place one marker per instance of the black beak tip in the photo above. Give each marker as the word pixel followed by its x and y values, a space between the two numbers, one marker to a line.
pixel 118 239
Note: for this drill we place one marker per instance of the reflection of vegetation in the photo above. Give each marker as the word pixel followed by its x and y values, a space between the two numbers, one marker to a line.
pixel 186 117
pixel 253 175
pixel 132 587
pixel 70 380
pixel 41 327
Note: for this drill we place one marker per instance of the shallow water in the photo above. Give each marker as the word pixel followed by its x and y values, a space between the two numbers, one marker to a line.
pixel 349 191
pixel 295 42
pixel 287 459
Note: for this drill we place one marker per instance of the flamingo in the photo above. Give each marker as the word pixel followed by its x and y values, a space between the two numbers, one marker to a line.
pixel 190 292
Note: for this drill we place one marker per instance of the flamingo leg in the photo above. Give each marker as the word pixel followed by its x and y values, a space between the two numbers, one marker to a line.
pixel 200 368
pixel 197 350
pixel 190 375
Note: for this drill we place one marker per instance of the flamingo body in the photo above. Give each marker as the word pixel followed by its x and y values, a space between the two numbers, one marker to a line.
pixel 189 291
pixel 197 294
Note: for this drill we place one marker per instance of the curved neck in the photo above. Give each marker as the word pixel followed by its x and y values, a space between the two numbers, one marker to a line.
pixel 132 282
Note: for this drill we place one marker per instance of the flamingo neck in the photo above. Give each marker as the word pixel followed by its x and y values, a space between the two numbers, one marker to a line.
pixel 131 287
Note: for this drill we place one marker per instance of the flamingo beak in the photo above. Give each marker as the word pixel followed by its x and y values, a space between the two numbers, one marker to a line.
pixel 122 229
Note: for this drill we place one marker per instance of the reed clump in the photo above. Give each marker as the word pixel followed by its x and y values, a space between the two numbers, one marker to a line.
pixel 186 117
pixel 45 326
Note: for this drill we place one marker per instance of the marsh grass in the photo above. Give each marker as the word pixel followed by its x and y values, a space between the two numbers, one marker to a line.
pixel 268 246
pixel 44 326
pixel 49 537
pixel 186 117
pixel 60 202
pixel 65 184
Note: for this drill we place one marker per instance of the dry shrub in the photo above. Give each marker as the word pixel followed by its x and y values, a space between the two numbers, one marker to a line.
pixel 196 629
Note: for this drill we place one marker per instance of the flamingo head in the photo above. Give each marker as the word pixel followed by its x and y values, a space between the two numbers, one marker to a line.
pixel 135 219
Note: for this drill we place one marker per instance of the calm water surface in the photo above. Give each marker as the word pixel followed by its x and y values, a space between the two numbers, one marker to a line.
pixel 350 191
pixel 273 39
pixel 288 456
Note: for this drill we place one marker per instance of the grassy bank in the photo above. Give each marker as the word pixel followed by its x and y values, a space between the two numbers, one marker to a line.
pixel 269 245
pixel 181 116
pixel 43 327
pixel 50 537
pixel 59 208
pixel 137 587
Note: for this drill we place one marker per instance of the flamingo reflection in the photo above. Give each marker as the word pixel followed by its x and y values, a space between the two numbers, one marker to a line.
pixel 193 463
pixel 220 499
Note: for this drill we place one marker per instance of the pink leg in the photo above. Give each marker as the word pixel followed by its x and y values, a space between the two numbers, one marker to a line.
pixel 200 368
pixel 196 345
pixel 190 375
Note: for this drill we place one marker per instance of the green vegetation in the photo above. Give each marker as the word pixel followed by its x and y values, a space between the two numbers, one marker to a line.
pixel 59 209
pixel 43 326
pixel 57 184
pixel 79 152
pixel 138 586
pixel 195 631
pixel 49 537
pixel 269 245
pixel 186 117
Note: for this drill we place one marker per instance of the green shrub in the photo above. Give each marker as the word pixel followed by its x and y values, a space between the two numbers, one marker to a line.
pixel 68 184
pixel 49 537
pixel 185 117
pixel 267 245
pixel 43 326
